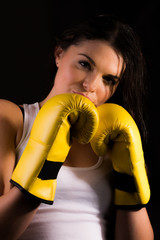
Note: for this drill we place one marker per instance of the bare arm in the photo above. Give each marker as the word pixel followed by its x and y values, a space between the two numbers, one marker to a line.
pixel 133 225
pixel 16 210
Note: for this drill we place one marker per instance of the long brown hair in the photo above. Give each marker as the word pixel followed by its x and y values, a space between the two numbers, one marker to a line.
pixel 131 90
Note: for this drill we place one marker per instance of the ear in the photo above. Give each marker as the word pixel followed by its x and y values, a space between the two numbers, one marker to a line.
pixel 58 53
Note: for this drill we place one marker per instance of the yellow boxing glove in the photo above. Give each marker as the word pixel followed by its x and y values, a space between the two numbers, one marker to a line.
pixel 60 118
pixel 119 136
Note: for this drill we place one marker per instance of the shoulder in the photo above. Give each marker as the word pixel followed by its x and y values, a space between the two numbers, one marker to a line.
pixel 6 103
pixel 11 125
pixel 11 120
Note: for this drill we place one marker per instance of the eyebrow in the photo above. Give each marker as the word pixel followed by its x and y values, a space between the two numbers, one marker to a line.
pixel 89 58
pixel 92 61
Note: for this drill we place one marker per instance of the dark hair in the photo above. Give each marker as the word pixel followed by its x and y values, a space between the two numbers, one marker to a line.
pixel 131 90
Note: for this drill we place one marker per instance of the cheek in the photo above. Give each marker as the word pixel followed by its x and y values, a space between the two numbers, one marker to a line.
pixel 105 94
pixel 70 74
pixel 63 76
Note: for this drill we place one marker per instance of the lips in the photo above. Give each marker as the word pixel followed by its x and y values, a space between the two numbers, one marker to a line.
pixel 80 93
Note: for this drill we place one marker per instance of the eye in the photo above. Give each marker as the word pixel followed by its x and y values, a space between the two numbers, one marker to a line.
pixel 109 80
pixel 85 64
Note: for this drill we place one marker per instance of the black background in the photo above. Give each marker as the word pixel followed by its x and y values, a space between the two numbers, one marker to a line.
pixel 26 31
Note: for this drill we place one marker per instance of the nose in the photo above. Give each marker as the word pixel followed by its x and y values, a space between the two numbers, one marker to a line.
pixel 90 84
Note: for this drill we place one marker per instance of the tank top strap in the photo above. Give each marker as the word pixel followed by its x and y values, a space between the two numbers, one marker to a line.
pixel 30 113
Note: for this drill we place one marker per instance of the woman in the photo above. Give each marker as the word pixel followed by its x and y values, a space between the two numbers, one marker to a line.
pixel 95 59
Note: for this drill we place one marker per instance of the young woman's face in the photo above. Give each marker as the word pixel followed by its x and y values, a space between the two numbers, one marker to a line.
pixel 92 68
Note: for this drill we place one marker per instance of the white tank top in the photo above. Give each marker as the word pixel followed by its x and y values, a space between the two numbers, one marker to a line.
pixel 82 202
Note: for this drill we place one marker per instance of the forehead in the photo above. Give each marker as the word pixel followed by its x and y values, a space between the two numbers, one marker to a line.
pixel 104 56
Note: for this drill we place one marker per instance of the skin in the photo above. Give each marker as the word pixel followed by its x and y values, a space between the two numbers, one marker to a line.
pixel 92 69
